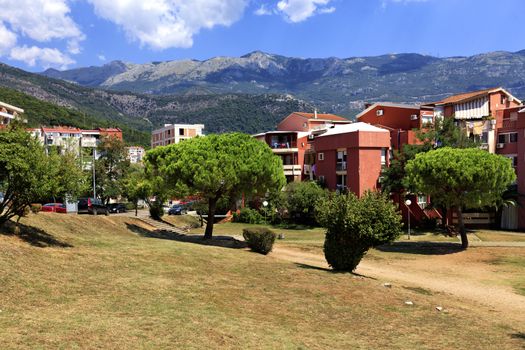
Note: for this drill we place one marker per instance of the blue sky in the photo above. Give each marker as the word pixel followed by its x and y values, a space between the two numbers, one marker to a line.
pixel 37 34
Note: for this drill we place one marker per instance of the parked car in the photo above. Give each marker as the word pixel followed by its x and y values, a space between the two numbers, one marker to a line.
pixel 177 209
pixel 54 208
pixel 92 206
pixel 117 208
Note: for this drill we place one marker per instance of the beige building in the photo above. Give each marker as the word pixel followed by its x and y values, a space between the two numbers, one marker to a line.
pixel 8 113
pixel 174 133
pixel 135 154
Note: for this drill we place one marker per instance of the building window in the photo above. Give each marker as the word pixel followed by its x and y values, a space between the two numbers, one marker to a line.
pixel 508 137
pixel 181 132
pixel 513 158
pixel 485 137
pixel 380 112
pixel 426 120
pixel 341 161
pixel 320 156
pixel 422 201
pixel 384 152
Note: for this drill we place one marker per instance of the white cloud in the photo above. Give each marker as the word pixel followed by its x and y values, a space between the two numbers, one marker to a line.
pixel 41 21
pixel 300 10
pixel 7 39
pixel 263 11
pixel 161 24
pixel 101 57
pixel 45 57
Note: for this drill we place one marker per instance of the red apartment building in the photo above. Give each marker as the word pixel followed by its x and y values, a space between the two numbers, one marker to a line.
pixel 490 115
pixel 510 124
pixel 293 141
pixel 351 156
pixel 400 119
pixel 476 111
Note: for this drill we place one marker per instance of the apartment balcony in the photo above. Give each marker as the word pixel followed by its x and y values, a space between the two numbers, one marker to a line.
pixel 294 169
pixel 508 123
pixel 88 142
pixel 284 147
pixel 340 166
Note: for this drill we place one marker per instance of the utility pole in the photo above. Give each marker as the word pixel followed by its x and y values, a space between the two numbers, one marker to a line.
pixel 93 167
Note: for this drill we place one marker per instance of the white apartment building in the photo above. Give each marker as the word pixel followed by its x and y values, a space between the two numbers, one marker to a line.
pixel 174 133
pixel 8 113
pixel 135 154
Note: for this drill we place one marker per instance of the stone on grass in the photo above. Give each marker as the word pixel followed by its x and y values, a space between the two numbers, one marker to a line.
pixel 408 302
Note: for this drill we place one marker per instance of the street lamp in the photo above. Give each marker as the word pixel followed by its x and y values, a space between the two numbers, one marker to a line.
pixel 265 204
pixel 408 202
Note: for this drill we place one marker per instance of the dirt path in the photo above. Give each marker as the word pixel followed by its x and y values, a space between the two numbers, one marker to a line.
pixel 463 275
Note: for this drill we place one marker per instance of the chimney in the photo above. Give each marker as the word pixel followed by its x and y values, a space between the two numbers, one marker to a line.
pixel 315 113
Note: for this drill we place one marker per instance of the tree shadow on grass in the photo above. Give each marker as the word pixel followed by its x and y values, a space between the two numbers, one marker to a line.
pixel 519 335
pixel 33 235
pixel 216 241
pixel 421 248
pixel 327 269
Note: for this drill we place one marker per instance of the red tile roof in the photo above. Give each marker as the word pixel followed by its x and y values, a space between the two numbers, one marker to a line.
pixel 321 116
pixel 64 129
pixel 469 95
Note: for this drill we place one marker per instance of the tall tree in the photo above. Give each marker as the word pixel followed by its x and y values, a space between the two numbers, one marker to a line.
pixel 218 166
pixel 24 172
pixel 461 178
pixel 135 185
pixel 66 179
pixel 111 168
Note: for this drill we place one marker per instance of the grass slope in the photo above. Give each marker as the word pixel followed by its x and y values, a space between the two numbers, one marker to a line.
pixel 98 282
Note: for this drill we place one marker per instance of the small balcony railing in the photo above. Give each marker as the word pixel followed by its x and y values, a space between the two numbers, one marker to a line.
pixel 340 166
pixel 283 145
pixel 508 123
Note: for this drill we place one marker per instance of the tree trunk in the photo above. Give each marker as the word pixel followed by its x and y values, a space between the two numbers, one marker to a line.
pixel 462 230
pixel 136 208
pixel 444 219
pixel 212 204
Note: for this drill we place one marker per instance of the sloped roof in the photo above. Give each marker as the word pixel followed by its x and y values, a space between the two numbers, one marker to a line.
pixel 347 128
pixel 63 129
pixel 321 116
pixel 386 104
pixel 472 95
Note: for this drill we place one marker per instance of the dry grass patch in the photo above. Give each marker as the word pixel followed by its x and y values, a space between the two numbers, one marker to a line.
pixel 114 289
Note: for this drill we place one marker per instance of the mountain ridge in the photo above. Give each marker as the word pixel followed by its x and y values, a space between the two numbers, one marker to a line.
pixel 338 85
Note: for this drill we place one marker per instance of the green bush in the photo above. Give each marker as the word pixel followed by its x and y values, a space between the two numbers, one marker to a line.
pixel 248 216
pixel 301 198
pixel 355 225
pixel 259 239
pixel 36 208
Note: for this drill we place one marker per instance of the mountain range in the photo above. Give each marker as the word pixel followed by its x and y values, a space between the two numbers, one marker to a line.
pixel 339 85
pixel 251 93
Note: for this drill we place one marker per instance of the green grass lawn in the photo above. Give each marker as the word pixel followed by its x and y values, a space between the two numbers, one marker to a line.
pixel 499 236
pixel 76 282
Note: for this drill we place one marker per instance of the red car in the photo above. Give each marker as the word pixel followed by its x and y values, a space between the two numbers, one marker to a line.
pixel 55 208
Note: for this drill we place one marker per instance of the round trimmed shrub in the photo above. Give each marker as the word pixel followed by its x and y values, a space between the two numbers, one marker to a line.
pixel 355 225
pixel 259 239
